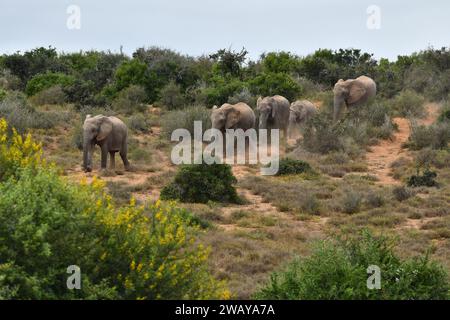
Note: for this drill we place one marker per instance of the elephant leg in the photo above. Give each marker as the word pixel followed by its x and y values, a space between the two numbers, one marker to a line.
pixel 104 158
pixel 123 154
pixel 112 160
pixel 285 136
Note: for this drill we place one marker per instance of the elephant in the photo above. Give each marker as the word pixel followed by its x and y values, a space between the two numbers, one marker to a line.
pixel 110 133
pixel 233 116
pixel 274 114
pixel 352 92
pixel 301 112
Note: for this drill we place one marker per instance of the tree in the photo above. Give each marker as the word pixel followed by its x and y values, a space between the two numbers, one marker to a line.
pixel 228 62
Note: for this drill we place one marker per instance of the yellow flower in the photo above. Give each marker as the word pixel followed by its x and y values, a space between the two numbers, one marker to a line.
pixel 225 295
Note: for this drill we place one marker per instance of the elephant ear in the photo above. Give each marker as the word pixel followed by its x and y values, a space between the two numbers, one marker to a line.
pixel 356 92
pixel 105 129
pixel 294 113
pixel 259 101
pixel 232 118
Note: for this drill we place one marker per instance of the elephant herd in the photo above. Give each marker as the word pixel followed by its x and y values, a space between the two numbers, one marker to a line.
pixel 275 112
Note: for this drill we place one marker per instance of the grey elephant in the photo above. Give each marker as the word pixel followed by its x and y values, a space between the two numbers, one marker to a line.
pixel 233 116
pixel 301 112
pixel 274 113
pixel 110 133
pixel 352 92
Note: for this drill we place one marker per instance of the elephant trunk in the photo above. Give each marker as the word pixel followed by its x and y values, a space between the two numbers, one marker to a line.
pixel 87 155
pixel 338 101
pixel 263 121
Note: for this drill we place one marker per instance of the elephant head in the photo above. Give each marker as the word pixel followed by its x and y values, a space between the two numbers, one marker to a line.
pixel 350 92
pixel 267 109
pixel 95 130
pixel 225 117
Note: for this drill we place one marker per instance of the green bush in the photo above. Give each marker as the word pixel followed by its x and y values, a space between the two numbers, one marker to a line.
pixel 427 179
pixel 338 270
pixel 47 80
pixel 129 73
pixel 126 252
pixel 54 95
pixel 20 115
pixel 436 136
pixel 184 119
pixel 219 91
pixel 375 200
pixel 243 96
pixel 351 201
pixel 269 84
pixel 291 166
pixel 130 100
pixel 202 183
pixel 321 136
pixel 408 103
pixel 402 193
pixel 139 123
pixel 172 96
pixel 445 115
pixel 2 94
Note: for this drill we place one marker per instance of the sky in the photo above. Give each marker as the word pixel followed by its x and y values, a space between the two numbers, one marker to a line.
pixel 197 27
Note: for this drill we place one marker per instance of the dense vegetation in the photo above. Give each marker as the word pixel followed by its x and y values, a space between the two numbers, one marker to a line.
pixel 202 183
pixel 339 271
pixel 48 224
pixel 173 79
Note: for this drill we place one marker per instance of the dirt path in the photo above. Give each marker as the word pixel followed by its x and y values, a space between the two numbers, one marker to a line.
pixel 381 156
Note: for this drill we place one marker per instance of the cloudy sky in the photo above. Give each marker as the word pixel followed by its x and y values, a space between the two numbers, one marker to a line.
pixel 202 26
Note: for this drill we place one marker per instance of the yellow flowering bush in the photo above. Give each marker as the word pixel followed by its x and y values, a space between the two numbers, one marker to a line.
pixel 131 252
pixel 16 151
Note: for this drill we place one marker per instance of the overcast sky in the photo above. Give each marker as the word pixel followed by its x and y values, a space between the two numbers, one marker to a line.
pixel 196 27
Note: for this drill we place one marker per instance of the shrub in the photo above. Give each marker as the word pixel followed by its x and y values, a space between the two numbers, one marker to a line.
pixel 219 91
pixel 402 193
pixel 338 270
pixel 375 200
pixel 20 115
pixel 138 122
pixel 427 179
pixel 172 96
pixel 130 100
pixel 124 253
pixel 291 166
pixel 435 136
pixel 184 119
pixel 17 152
pixel 408 103
pixel 243 96
pixel 2 94
pixel 130 73
pixel 47 80
pixel 52 95
pixel 9 81
pixel 269 84
pixel 351 201
pixel 311 205
pixel 202 183
pixel 320 136
pixel 444 116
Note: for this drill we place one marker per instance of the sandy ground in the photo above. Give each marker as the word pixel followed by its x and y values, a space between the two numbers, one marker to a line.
pixel 381 156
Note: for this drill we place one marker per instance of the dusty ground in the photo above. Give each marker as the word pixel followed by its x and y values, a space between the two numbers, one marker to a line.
pixel 381 156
